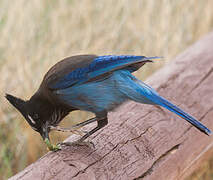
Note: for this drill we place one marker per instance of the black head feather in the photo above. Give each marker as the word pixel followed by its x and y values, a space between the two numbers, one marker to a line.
pixel 25 109
pixel 38 112
pixel 17 103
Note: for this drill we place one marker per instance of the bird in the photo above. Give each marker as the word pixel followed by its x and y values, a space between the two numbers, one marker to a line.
pixel 93 83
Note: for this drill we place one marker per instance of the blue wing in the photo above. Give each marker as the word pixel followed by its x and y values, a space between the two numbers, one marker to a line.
pixel 99 66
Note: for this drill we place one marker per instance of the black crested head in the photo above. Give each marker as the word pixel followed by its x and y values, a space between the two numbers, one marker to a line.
pixel 39 112
pixel 31 112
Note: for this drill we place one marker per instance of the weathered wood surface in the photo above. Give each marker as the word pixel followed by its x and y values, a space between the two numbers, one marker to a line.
pixel 143 141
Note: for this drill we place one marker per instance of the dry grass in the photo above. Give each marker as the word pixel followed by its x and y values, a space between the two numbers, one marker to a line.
pixel 36 34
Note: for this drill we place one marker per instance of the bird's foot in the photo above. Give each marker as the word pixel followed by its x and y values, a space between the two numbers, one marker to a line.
pixel 52 147
pixel 78 143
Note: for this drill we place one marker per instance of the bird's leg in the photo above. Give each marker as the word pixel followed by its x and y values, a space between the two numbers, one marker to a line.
pixel 62 129
pixel 73 128
pixel 52 147
pixel 102 121
pixel 84 123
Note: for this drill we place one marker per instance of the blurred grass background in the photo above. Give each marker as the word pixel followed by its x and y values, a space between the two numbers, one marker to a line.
pixel 35 34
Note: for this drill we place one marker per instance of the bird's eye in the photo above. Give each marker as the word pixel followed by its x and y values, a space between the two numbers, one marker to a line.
pixel 35 116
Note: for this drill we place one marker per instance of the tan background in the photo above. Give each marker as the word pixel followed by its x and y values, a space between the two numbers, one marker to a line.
pixel 36 34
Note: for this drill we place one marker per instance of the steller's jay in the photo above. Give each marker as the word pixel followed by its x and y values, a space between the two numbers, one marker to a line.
pixel 92 83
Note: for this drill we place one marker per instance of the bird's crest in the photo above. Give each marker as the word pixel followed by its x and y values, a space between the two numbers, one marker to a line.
pixel 17 103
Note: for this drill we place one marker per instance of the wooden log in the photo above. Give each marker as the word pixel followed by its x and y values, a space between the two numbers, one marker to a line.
pixel 143 141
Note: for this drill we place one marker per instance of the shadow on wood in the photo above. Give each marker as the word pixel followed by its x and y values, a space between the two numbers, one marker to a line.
pixel 143 141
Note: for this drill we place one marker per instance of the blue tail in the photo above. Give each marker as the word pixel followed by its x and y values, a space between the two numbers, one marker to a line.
pixel 142 93
pixel 163 102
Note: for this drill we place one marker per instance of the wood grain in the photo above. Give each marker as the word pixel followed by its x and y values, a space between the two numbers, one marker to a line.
pixel 143 141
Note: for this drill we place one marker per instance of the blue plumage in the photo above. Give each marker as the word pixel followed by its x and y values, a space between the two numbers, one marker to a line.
pixel 91 83
pixel 104 95
pixel 99 66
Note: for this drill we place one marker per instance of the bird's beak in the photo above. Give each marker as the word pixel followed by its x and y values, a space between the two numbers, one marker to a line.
pixel 44 131
pixel 45 134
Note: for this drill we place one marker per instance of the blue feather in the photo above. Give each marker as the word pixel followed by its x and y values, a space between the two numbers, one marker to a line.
pixel 99 66
pixel 163 102
pixel 106 94
pixel 94 96
pixel 145 94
